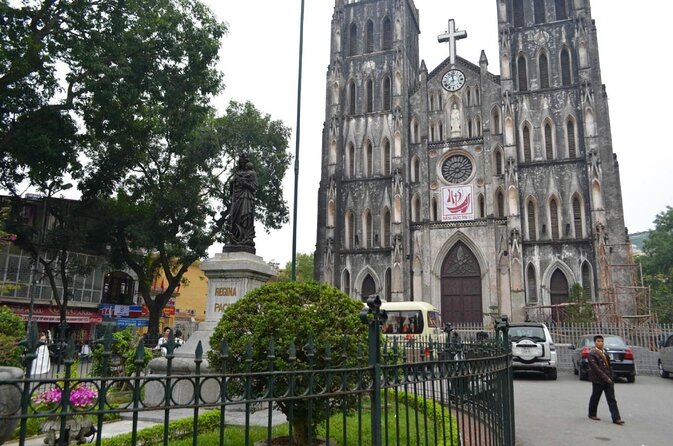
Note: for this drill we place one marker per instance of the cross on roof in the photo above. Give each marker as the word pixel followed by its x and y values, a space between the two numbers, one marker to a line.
pixel 451 36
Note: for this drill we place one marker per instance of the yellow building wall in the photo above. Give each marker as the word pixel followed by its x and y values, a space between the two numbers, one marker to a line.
pixel 190 301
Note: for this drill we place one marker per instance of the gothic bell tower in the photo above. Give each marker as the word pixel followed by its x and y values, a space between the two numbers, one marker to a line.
pixel 557 137
pixel 362 220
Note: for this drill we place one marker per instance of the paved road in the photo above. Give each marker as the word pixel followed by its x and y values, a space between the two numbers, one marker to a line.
pixel 550 413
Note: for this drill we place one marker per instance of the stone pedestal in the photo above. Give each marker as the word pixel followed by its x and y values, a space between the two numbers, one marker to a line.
pixel 231 275
pixel 10 401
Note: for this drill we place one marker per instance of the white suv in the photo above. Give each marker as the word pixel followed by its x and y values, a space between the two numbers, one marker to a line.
pixel 666 357
pixel 533 348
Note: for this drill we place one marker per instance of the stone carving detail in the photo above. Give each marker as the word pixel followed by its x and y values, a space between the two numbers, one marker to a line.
pixel 329 252
pixel 594 164
pixel 505 43
pixel 397 182
pixel 334 127
pixel 511 172
pixel 331 189
pixel 398 117
pixel 587 94
pixel 515 243
pixel 397 248
pixel 507 103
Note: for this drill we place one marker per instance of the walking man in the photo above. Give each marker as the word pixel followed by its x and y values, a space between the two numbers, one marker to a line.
pixel 600 374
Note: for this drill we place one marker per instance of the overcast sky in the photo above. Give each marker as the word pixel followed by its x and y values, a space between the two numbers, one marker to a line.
pixel 259 59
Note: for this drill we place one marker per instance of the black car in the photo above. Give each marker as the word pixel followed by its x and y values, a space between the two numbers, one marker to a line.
pixel 621 357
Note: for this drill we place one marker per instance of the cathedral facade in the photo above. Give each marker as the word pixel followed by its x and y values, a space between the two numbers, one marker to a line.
pixel 479 193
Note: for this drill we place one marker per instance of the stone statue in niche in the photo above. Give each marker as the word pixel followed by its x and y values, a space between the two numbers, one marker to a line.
pixel 455 121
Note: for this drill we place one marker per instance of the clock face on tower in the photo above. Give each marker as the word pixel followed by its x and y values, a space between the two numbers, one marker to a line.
pixel 453 80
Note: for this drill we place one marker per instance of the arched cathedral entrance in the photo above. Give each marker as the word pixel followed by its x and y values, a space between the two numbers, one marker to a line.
pixel 368 287
pixel 558 287
pixel 461 286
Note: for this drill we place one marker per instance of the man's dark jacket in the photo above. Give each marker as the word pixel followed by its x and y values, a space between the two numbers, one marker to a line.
pixel 600 370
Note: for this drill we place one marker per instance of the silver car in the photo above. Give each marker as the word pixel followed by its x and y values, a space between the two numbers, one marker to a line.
pixel 666 357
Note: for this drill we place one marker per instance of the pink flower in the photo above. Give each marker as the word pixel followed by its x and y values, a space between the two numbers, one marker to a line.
pixel 80 396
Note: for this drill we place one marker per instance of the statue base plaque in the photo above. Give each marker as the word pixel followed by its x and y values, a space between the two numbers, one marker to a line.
pixel 231 275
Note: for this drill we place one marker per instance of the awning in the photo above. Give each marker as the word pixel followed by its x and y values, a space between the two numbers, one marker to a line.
pixel 51 315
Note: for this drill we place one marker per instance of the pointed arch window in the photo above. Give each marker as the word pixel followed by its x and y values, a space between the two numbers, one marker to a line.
pixel 522 70
pixel 369 161
pixel 387 92
pixel 532 230
pixel 561 11
pixel 387 34
pixel 570 131
pixel 548 142
pixel 482 207
pixel 351 97
pixel 385 228
pixel 565 67
pixel 416 208
pixel 350 230
pixel 433 209
pixel 518 13
pixel 369 37
pixel 544 71
pixel 350 161
pixel 527 157
pixel 469 96
pixel 346 282
pixel 498 162
pixel 353 40
pixel 495 121
pixel 531 284
pixel 415 169
pixel 386 158
pixel 367 229
pixel 587 284
pixel 389 283
pixel 499 204
pixel 554 219
pixel 577 217
pixel 538 6
pixel 440 131
pixel 369 91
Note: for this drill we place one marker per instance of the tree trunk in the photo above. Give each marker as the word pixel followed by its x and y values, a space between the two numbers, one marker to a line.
pixel 300 432
pixel 155 317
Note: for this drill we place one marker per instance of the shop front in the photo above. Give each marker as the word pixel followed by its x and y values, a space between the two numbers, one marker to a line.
pixel 81 321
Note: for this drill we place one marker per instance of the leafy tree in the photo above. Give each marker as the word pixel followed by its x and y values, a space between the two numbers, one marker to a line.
pixel 132 78
pixel 122 362
pixel 580 311
pixel 173 205
pixel 56 247
pixel 657 263
pixel 82 74
pixel 292 313
pixel 304 269
pixel 11 332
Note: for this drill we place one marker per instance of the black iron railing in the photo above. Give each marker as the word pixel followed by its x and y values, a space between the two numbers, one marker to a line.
pixel 406 391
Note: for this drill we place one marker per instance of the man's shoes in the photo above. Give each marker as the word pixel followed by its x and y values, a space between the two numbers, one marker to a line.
pixel 620 422
pixel 594 417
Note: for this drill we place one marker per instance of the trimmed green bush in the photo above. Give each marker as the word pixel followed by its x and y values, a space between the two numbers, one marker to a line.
pixel 11 332
pixel 287 312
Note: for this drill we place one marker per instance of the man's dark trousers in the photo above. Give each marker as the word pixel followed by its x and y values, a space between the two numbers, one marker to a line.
pixel 597 391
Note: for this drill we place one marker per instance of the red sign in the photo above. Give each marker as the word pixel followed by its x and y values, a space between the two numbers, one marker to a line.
pixel 45 314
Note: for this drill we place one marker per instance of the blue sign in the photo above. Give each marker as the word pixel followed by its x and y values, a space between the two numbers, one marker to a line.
pixel 132 322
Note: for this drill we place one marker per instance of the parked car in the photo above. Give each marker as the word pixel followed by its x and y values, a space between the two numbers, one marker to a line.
pixel 621 357
pixel 533 348
pixel 666 357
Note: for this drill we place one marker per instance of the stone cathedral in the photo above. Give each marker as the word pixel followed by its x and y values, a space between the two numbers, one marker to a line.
pixel 482 194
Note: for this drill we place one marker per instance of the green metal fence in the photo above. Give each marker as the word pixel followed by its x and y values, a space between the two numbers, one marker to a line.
pixel 400 392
